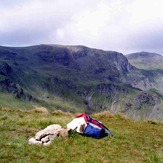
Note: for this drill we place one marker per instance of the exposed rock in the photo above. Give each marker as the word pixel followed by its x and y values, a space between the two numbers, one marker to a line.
pixel 111 88
pixel 47 143
pixel 46 135
pixel 34 141
pixel 51 137
pixel 88 102
pixel 64 133
pixel 45 139
pixel 73 72
pixel 142 100
pixel 5 69
pixel 10 86
pixel 50 130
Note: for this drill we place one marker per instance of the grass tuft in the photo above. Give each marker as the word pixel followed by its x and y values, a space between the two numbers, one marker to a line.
pixel 40 110
pixel 134 141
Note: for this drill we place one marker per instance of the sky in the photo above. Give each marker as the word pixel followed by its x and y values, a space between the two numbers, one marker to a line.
pixel 125 26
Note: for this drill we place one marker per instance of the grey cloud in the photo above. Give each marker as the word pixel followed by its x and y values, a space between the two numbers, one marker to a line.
pixel 146 39
pixel 105 24
pixel 19 37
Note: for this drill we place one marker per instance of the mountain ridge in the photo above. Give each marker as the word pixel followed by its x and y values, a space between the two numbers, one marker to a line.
pixel 146 60
pixel 93 79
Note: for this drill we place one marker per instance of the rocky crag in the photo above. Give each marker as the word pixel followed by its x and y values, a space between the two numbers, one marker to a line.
pixel 94 79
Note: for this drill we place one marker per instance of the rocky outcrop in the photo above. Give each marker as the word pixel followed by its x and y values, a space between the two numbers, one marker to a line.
pixel 144 99
pixel 109 89
pixel 9 86
pixel 5 69
pixel 46 136
pixel 95 79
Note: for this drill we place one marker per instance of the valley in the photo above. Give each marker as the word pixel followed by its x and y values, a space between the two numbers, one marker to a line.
pixel 81 79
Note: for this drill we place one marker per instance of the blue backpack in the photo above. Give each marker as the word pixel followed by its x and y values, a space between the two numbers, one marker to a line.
pixel 94 127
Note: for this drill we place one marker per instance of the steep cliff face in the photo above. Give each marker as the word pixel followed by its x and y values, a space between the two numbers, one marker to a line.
pixel 99 80
pixel 75 62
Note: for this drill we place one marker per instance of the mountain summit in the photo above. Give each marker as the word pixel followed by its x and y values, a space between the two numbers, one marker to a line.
pixel 90 79
pixel 146 60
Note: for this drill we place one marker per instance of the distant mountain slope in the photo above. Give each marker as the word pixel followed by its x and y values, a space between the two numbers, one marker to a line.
pixel 146 60
pixel 75 78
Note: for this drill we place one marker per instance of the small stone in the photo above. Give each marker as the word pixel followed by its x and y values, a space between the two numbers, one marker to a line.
pixel 45 139
pixel 50 130
pixel 51 137
pixel 34 141
pixel 39 135
pixel 48 143
pixel 53 127
pixel 64 132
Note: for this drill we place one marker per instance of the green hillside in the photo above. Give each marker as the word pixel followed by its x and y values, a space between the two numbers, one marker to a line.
pixel 146 60
pixel 134 141
pixel 151 64
pixel 9 101
pixel 77 79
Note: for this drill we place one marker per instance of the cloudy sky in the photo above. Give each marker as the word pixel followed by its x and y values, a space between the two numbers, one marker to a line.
pixel 120 25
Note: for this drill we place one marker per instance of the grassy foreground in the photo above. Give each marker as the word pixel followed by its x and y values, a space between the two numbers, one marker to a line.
pixel 134 141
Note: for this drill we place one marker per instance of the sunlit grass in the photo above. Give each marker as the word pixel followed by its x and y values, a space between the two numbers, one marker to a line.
pixel 8 100
pixel 134 141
